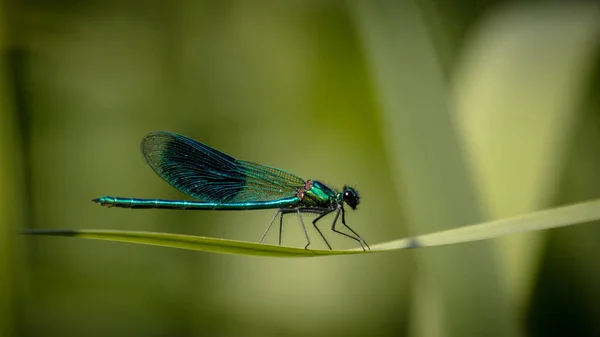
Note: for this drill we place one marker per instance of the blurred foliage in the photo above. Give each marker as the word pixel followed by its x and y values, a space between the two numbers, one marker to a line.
pixel 441 114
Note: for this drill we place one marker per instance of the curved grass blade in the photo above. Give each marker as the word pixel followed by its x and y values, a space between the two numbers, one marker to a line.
pixel 200 243
pixel 552 218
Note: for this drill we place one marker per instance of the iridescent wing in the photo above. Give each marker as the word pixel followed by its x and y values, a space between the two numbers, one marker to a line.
pixel 213 176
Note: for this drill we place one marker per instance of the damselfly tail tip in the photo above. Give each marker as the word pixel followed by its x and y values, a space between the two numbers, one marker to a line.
pixel 97 200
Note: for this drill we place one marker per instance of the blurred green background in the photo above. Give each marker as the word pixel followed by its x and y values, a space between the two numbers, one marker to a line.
pixel 441 114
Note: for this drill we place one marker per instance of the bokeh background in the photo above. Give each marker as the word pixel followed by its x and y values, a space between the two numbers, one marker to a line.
pixel 441 114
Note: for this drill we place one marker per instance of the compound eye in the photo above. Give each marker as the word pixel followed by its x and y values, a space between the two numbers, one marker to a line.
pixel 350 197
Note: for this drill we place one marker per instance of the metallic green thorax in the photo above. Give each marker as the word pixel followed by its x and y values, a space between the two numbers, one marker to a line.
pixel 317 194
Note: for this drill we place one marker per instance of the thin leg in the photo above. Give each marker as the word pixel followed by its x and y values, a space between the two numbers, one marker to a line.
pixel 321 212
pixel 337 215
pixel 283 211
pixel 304 228
pixel 318 230
pixel 355 233
pixel 280 228
pixel 268 228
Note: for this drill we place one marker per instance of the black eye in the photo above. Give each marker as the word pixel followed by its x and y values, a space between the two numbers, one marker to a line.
pixel 351 197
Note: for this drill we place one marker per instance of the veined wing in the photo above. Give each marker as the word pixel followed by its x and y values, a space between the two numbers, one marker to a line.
pixel 213 176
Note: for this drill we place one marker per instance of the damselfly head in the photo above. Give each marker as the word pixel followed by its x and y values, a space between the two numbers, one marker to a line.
pixel 350 197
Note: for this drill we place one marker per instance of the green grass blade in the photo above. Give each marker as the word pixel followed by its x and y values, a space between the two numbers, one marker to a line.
pixel 536 221
pixel 547 219
pixel 200 243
